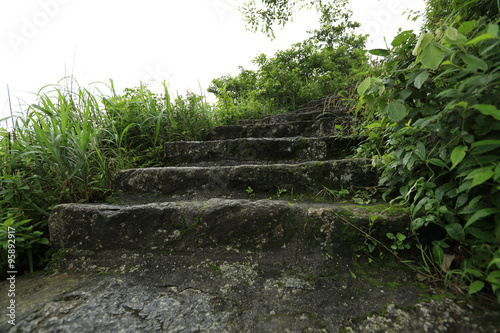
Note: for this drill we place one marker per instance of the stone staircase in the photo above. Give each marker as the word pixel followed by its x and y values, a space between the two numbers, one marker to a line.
pixel 234 234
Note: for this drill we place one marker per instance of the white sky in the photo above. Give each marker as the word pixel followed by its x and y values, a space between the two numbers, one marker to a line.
pixel 185 42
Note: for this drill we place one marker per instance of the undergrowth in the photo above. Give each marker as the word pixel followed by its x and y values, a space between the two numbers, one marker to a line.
pixel 67 147
pixel 434 129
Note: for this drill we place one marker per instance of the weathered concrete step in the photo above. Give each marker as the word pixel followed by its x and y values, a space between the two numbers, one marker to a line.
pixel 240 224
pixel 248 150
pixel 326 126
pixel 309 111
pixel 298 115
pixel 308 177
pixel 231 292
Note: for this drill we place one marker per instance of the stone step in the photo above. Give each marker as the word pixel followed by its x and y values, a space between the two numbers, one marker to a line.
pixel 252 150
pixel 325 126
pixel 308 111
pixel 253 225
pixel 226 290
pixel 217 181
pixel 307 114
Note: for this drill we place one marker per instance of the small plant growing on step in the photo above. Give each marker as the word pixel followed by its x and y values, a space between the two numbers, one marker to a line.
pixel 363 197
pixel 280 192
pixel 250 192
pixel 398 242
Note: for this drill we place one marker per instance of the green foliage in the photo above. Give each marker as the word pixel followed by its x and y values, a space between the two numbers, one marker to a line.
pixel 142 121
pixel 398 242
pixel 326 63
pixel 67 147
pixel 250 191
pixel 437 11
pixel 434 128
pixel 18 242
pixel 333 21
pixel 291 78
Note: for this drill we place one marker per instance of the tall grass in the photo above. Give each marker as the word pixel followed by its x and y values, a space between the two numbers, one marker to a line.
pixel 69 145
pixel 139 122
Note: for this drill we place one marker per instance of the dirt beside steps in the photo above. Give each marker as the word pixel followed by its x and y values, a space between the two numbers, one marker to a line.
pixel 230 236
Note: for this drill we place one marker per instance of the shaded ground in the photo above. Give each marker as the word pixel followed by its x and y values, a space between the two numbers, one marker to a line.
pixel 239 292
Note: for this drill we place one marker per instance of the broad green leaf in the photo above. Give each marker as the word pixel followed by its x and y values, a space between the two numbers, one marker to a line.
pixel 484 146
pixel 420 150
pixel 422 42
pixel 486 143
pixel 43 241
pixel 481 175
pixel 474 61
pixel 473 272
pixel 381 90
pixel 417 223
pixel 400 237
pixel 461 200
pixel 482 235
pixel 374 125
pixel 453 36
pixel 401 38
pixel 404 94
pixel 447 93
pixel 474 201
pixel 380 52
pixel 451 33
pixel 419 205
pixel 443 189
pixel 497 172
pixel 438 254
pixel 480 214
pixel 495 261
pixel 420 79
pixel 457 155
pixel 467 27
pixel 489 110
pixel 364 86
pixel 455 231
pixel 438 162
pixel 396 111
pixel 432 56
pixel 480 38
pixel 493 29
pixel 460 39
pixel 475 287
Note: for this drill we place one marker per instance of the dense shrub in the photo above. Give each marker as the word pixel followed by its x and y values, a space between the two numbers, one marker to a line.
pixel 328 62
pixel 434 127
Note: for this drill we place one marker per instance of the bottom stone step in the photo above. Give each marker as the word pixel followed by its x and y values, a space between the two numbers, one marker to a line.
pixel 241 224
pixel 207 291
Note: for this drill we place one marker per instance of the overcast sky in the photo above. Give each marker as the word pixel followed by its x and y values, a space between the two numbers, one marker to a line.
pixel 187 43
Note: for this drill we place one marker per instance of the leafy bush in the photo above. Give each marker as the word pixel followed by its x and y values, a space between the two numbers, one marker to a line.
pixel 435 128
pixel 328 62
pixel 293 77
pixel 19 243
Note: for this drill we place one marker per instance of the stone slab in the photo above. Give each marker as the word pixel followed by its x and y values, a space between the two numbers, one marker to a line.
pixel 241 224
pixel 258 150
pixel 229 291
pixel 307 177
